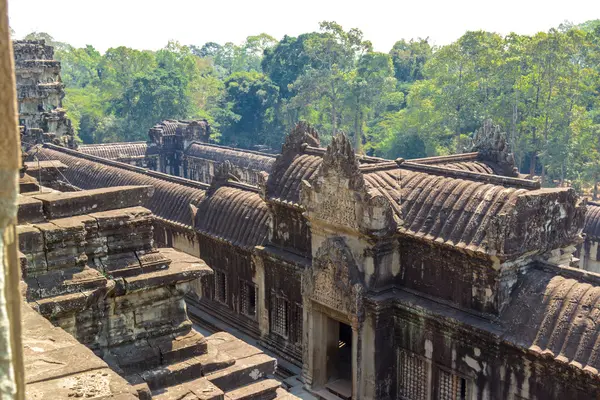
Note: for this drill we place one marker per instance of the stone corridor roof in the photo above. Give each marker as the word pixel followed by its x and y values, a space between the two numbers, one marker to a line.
pixel 172 195
pixel 115 151
pixel 235 213
pixel 443 209
pixel 591 225
pixel 240 158
pixel 557 316
pixel 488 214
pixel 284 183
pixel 464 162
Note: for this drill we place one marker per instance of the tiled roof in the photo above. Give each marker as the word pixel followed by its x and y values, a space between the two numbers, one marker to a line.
pixel 591 226
pixel 234 213
pixel 240 158
pixel 473 166
pixel 284 183
pixel 115 151
pixel 556 316
pixel 172 196
pixel 464 162
pixel 444 209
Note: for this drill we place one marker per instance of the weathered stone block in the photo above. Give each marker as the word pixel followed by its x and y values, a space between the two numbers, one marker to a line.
pixel 58 205
pixel 30 210
pixel 179 347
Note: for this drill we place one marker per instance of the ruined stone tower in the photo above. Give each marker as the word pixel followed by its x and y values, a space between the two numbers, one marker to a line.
pixel 40 92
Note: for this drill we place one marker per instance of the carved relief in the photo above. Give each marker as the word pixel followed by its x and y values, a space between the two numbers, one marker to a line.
pixel 337 209
pixel 335 280
pixel 339 195
pixel 492 145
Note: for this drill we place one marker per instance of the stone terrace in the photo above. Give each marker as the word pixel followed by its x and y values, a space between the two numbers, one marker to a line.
pixel 90 266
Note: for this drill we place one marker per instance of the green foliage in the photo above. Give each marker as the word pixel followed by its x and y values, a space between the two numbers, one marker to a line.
pixel 409 59
pixel 415 101
pixel 248 110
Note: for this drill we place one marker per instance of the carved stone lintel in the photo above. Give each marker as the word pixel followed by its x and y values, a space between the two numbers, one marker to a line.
pixel 335 280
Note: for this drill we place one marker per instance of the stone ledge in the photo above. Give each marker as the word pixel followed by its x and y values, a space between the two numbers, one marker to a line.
pixel 67 204
pixel 59 367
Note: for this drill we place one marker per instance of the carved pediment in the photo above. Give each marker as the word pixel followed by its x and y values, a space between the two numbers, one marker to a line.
pixel 339 196
pixel 334 279
pixel 300 135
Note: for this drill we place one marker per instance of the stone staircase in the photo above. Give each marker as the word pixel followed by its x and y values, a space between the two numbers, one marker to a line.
pixel 196 368
pixel 236 369
pixel 97 275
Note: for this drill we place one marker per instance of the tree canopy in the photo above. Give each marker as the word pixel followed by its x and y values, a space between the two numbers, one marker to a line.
pixel 416 100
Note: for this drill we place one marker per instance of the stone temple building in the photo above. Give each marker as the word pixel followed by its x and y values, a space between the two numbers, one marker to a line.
pixel 385 279
pixel 182 148
pixel 440 278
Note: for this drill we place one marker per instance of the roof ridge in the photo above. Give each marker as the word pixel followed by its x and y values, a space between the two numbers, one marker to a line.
pixel 112 144
pixel 473 176
pixel 218 146
pixel 446 158
pixel 129 167
pixel 320 151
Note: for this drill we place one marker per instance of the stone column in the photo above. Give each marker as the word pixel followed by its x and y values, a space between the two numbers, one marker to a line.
pixel 262 312
pixel 11 349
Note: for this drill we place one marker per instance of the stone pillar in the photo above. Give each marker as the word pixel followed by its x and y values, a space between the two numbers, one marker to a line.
pixel 366 363
pixel 11 349
pixel 262 313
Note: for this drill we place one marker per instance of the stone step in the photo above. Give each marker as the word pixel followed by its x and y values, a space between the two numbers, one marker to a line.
pixel 265 389
pixel 68 303
pixel 64 282
pixel 178 347
pixel 324 394
pixel 173 374
pixel 243 372
pixel 341 388
pixel 214 360
pixel 282 394
pixel 178 371
pixel 197 389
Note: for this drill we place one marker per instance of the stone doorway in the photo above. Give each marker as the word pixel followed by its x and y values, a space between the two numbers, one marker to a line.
pixel 335 344
pixel 339 361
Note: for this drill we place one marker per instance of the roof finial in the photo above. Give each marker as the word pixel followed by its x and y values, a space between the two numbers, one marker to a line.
pixel 224 173
pixel 492 145
pixel 301 134
pixel 341 158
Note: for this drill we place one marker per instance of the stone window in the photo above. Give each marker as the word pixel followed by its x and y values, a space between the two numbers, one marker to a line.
pixel 298 318
pixel 220 286
pixel 451 386
pixel 248 299
pixel 413 376
pixel 280 316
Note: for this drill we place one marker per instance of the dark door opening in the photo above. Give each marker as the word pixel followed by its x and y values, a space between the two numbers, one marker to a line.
pixel 339 371
pixel 345 352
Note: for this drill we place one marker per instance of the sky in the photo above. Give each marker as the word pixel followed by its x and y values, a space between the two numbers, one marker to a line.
pixel 150 24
